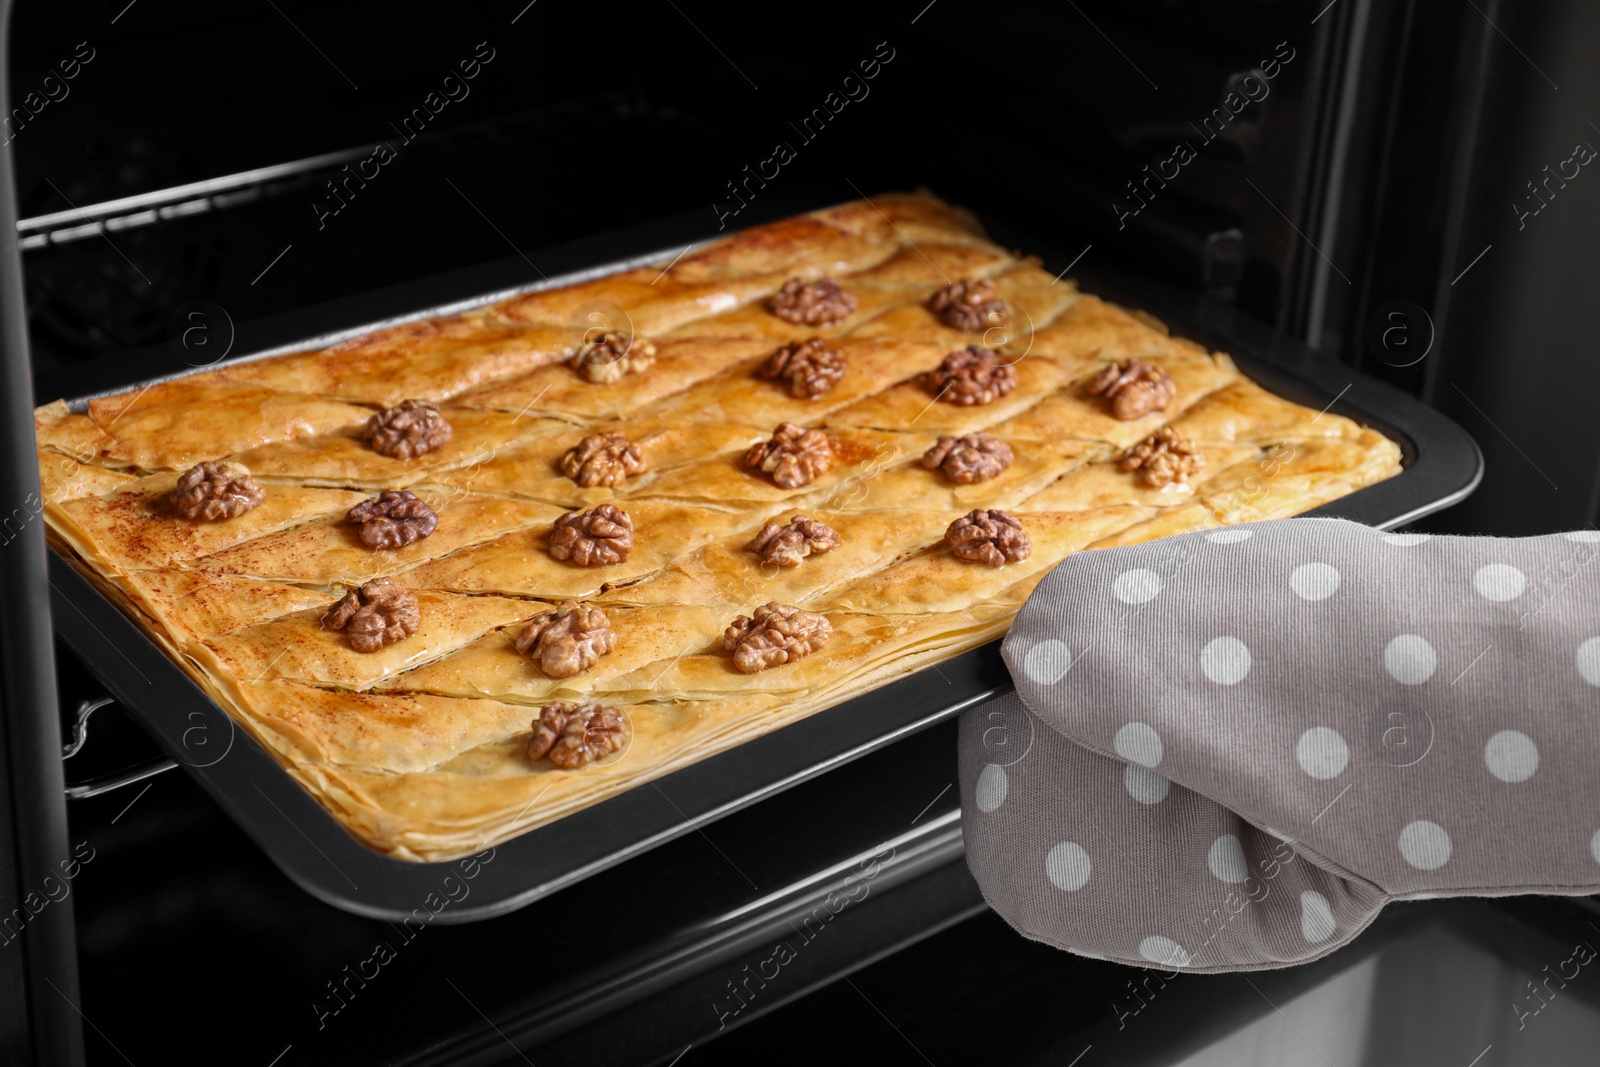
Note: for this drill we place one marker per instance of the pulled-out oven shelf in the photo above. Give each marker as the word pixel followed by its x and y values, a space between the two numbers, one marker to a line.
pixel 1442 465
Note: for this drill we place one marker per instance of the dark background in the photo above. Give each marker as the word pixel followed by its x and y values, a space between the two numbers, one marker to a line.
pixel 1385 160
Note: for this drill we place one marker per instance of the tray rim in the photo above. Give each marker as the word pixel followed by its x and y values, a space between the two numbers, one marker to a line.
pixel 1444 466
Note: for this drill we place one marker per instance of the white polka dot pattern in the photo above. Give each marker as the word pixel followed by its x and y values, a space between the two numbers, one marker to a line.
pixel 1226 860
pixel 1314 581
pixel 1589 661
pixel 1410 659
pixel 1138 743
pixel 1499 582
pixel 1145 786
pixel 1225 660
pixel 1047 662
pixel 1511 756
pixel 993 785
pixel 1316 917
pixel 1425 845
pixel 1137 586
pixel 1322 753
pixel 1164 950
pixel 1345 716
pixel 1068 866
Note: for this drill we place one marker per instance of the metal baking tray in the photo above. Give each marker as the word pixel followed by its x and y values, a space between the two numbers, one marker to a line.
pixel 1442 465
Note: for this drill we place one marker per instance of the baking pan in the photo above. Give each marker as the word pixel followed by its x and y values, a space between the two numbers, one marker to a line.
pixel 1442 465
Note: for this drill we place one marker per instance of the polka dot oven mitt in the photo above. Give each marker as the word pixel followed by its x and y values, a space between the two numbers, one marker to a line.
pixel 1229 749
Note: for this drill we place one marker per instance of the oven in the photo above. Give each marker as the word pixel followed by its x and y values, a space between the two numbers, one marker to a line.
pixel 1346 190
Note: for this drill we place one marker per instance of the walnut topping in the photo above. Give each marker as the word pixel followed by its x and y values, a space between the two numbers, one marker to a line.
pixel 568 640
pixel 972 375
pixel 603 459
pixel 968 305
pixel 395 519
pixel 599 537
pixel 973 457
pixel 612 355
pixel 212 492
pixel 571 735
pixel 988 536
pixel 1163 458
pixel 378 613
pixel 818 303
pixel 409 429
pixel 786 544
pixel 775 634
pixel 794 457
pixel 811 367
pixel 1134 388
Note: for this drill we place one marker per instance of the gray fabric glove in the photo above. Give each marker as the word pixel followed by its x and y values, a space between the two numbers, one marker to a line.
pixel 1229 749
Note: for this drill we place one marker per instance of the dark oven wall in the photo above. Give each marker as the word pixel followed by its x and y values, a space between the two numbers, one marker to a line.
pixel 1310 162
pixel 587 117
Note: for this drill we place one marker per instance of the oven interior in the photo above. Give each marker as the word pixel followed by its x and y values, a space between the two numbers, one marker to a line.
pixel 1342 157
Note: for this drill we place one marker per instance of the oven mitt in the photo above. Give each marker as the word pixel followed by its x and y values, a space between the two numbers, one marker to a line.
pixel 1229 749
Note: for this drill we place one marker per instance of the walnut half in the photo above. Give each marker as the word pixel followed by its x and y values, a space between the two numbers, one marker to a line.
pixel 603 459
pixel 567 641
pixel 810 367
pixel 968 305
pixel 612 355
pixel 572 735
pixel 599 537
pixel 775 634
pixel 1164 458
pixel 971 375
pixel 409 429
pixel 395 519
pixel 972 457
pixel 795 456
pixel 819 303
pixel 1134 388
pixel 378 613
pixel 786 544
pixel 212 492
pixel 988 536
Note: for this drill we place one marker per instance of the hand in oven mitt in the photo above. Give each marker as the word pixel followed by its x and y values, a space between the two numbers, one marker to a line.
pixel 1229 749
